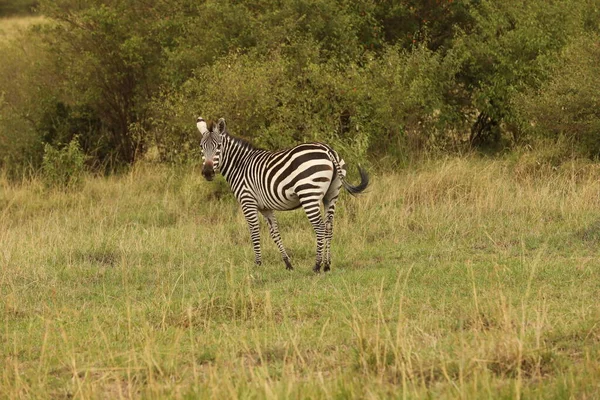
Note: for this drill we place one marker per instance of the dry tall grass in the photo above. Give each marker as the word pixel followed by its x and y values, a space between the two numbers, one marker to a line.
pixel 463 278
pixel 13 26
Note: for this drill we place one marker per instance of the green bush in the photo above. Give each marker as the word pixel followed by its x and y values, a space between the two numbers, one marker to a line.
pixel 390 104
pixel 64 168
pixel 106 60
pixel 568 105
pixel 374 79
pixel 22 96
pixel 504 54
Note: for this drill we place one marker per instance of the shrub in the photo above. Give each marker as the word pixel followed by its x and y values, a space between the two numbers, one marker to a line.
pixel 568 105
pixel 63 168
pixel 371 78
pixel 389 104
pixel 106 61
pixel 21 99
pixel 504 53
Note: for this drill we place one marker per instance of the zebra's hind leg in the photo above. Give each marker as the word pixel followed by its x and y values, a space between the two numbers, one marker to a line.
pixel 329 205
pixel 313 212
pixel 329 213
pixel 274 230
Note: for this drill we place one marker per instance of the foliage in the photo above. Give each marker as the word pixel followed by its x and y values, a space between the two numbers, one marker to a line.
pixel 505 52
pixel 63 168
pixel 568 105
pixel 375 105
pixel 380 79
pixel 21 101
pixel 105 57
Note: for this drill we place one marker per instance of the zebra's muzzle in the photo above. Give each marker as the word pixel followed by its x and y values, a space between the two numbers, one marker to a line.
pixel 208 172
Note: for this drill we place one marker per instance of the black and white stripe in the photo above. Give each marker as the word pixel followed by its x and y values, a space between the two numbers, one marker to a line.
pixel 306 176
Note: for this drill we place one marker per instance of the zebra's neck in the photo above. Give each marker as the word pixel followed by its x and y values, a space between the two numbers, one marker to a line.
pixel 234 154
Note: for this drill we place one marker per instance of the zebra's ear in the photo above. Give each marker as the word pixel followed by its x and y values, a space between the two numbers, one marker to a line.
pixel 221 126
pixel 201 124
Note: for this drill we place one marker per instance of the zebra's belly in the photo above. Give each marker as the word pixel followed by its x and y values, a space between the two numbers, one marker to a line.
pixel 289 203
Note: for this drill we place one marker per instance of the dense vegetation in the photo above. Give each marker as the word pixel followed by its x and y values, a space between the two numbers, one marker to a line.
pixel 376 78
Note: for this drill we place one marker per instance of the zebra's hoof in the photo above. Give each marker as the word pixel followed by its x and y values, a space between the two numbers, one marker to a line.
pixel 317 268
pixel 288 265
pixel 326 268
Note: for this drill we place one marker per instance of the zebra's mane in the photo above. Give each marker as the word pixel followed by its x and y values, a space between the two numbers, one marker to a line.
pixel 244 143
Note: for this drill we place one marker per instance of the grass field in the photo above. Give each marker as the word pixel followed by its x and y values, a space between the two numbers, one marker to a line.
pixel 462 278
pixel 13 26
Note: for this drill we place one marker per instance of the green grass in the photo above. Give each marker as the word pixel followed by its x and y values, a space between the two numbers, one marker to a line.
pixel 461 278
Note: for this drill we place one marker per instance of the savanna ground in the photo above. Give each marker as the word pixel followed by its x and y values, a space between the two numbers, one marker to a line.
pixel 462 278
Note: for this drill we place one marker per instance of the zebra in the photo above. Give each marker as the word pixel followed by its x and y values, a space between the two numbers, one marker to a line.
pixel 264 181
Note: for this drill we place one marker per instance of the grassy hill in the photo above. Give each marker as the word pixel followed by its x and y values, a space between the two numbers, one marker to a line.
pixel 461 278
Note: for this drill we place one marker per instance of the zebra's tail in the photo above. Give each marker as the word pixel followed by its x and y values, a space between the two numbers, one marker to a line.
pixel 364 182
pixel 364 177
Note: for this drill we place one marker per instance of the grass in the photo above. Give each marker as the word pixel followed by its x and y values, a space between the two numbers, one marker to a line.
pixel 12 27
pixel 462 278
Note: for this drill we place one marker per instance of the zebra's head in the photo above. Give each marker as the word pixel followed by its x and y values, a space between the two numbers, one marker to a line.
pixel 211 142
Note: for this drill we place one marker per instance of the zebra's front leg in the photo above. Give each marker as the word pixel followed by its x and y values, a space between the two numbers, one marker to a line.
pixel 274 230
pixel 250 211
pixel 313 212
